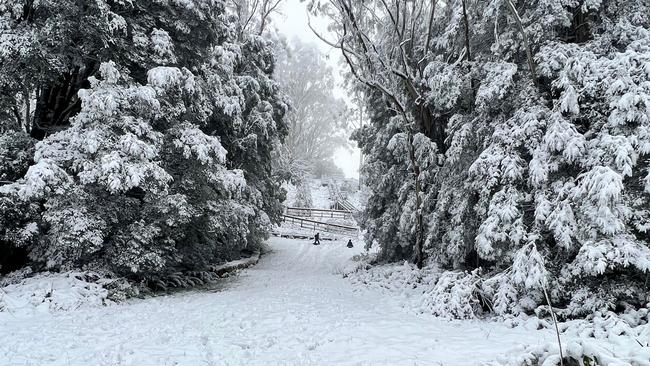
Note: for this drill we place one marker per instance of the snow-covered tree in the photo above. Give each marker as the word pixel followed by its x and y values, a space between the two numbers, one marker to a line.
pixel 317 119
pixel 303 195
pixel 541 110
pixel 163 161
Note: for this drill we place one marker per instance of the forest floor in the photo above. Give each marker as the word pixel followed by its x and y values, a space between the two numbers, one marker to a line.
pixel 293 308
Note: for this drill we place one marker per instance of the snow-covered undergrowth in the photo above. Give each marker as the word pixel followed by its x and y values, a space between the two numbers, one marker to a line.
pixel 52 292
pixel 602 339
pixel 449 295
pixel 605 339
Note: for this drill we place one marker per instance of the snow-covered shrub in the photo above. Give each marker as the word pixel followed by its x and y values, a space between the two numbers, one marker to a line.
pixel 248 117
pixel 454 295
pixel 394 278
pixel 450 294
pixel 605 339
pixel 391 209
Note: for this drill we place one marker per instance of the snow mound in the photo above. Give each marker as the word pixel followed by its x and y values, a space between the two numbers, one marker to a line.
pixel 608 339
pixel 51 292
pixel 604 339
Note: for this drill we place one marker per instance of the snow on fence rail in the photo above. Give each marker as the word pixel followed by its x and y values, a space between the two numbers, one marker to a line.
pixel 320 226
pixel 319 212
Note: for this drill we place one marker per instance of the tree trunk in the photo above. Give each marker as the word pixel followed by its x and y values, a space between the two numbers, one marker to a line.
pixel 58 102
pixel 419 229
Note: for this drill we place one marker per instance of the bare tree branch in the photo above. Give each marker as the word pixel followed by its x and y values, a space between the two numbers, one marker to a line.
pixel 529 54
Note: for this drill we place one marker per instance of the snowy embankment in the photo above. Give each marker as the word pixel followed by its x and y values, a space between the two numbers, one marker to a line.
pixel 293 308
pixel 603 339
pixel 52 292
pixel 25 293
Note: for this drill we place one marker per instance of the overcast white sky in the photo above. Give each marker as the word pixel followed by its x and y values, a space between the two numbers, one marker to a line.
pixel 292 22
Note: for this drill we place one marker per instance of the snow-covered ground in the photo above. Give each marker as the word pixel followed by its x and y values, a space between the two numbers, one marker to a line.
pixel 293 308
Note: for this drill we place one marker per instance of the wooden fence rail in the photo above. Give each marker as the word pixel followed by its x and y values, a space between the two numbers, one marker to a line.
pixel 318 212
pixel 320 226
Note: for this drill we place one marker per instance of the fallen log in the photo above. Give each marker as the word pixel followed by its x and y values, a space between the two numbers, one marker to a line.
pixel 232 266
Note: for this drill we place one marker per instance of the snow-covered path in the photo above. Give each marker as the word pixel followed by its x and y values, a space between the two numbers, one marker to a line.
pixel 293 308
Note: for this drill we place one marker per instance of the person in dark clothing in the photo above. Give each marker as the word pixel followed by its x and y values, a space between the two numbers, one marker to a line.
pixel 317 239
pixel 350 243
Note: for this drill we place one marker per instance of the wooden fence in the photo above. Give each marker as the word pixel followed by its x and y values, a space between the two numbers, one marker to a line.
pixel 320 226
pixel 319 213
